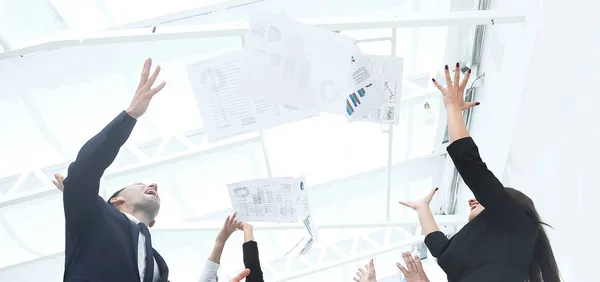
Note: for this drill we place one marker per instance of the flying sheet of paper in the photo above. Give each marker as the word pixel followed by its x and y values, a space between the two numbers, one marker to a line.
pixel 302 247
pixel 225 108
pixel 302 205
pixel 364 97
pixel 288 62
pixel 264 200
pixel 386 73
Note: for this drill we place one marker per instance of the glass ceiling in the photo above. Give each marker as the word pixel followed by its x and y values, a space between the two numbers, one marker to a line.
pixel 54 101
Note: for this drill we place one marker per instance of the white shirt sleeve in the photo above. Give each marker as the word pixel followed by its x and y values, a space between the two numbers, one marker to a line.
pixel 209 274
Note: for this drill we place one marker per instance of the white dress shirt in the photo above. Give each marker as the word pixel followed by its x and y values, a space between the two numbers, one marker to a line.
pixel 209 274
pixel 142 253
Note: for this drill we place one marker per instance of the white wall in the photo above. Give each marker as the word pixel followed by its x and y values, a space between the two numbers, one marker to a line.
pixel 542 142
pixel 505 61
pixel 553 157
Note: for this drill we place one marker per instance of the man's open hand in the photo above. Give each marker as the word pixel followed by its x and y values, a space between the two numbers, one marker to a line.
pixel 58 181
pixel 145 92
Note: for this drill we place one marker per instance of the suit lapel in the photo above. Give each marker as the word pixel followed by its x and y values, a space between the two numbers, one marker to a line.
pixel 162 267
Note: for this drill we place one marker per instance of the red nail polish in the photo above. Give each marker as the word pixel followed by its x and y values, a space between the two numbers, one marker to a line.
pixel 446 67
pixel 469 70
pixel 457 65
pixel 477 104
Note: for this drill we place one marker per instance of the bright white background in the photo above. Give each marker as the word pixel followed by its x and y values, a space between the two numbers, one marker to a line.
pixel 535 129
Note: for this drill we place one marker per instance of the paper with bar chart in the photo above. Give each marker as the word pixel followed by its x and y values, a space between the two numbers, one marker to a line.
pixel 386 74
pixel 280 199
pixel 264 200
pixel 289 62
pixel 226 109
pixel 283 199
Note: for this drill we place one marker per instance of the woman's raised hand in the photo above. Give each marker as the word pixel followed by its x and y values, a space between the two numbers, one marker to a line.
pixel 454 91
pixel 420 204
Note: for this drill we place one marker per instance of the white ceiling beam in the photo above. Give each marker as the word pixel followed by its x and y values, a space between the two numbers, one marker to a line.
pixel 141 165
pixel 81 15
pixel 240 29
pixel 198 11
pixel 215 226
pixel 416 166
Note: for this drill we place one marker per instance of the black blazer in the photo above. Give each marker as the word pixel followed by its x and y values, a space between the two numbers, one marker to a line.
pixel 498 244
pixel 101 242
pixel 252 262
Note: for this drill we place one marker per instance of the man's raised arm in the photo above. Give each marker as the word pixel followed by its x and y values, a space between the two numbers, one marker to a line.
pixel 80 197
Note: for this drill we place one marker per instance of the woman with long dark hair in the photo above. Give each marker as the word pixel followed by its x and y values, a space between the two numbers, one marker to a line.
pixel 504 240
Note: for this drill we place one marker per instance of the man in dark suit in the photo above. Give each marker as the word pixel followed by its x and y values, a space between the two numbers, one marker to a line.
pixel 109 241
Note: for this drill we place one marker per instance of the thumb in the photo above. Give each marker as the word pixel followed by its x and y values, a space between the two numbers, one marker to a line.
pixel 433 191
pixel 431 194
pixel 470 105
pixel 240 276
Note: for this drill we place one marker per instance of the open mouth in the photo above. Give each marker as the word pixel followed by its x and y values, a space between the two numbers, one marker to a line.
pixel 151 192
pixel 474 206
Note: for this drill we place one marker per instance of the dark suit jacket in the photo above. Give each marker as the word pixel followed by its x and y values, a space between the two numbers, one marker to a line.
pixel 101 242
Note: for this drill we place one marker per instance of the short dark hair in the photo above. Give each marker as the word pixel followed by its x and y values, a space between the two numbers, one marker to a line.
pixel 116 194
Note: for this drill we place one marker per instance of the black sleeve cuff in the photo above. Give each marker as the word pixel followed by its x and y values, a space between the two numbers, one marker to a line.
pixel 436 243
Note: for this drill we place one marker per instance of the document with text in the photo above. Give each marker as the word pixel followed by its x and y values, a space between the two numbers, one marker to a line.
pixel 296 64
pixel 226 109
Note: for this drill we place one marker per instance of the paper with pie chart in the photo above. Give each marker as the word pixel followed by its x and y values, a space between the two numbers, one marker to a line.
pixel 226 109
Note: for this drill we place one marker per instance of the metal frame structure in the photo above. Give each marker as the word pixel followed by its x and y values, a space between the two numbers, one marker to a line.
pixel 239 29
pixel 193 149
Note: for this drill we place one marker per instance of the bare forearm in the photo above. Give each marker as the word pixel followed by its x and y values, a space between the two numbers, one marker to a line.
pixel 217 251
pixel 248 233
pixel 456 124
pixel 427 221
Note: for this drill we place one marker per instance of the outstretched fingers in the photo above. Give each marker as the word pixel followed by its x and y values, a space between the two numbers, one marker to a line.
pixel 152 78
pixel 158 88
pixel 145 72
pixel 447 74
pixel 465 80
pixel 457 75
pixel 406 204
pixel 410 262
pixel 438 85
pixel 419 265
pixel 403 269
